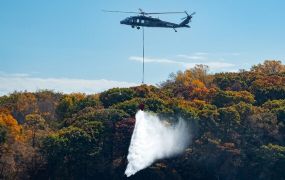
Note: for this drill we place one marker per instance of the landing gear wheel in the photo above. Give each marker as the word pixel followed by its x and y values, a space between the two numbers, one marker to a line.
pixel 133 26
pixel 138 27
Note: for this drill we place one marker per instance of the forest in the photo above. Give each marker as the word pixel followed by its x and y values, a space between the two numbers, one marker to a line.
pixel 237 126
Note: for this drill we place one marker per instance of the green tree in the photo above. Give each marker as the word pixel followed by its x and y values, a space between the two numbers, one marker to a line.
pixel 269 162
pixel 278 107
pixel 235 81
pixel 151 104
pixel 268 88
pixel 227 98
pixel 67 104
pixel 229 122
pixel 116 95
pixel 73 153
pixel 3 134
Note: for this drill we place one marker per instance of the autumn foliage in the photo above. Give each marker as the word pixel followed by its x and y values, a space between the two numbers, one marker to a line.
pixel 237 123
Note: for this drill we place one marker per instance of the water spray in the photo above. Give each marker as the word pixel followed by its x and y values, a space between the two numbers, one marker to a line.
pixel 154 139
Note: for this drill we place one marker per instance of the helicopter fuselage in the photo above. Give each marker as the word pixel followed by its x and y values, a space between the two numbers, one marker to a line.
pixel 145 21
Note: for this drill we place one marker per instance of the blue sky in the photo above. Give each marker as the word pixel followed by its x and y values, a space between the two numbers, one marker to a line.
pixel 73 46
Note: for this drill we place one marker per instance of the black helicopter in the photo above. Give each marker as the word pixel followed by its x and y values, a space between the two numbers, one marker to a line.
pixel 143 20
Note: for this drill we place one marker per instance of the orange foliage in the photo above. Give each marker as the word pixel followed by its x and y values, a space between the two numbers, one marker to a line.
pixel 200 91
pixel 195 104
pixel 8 121
pixel 184 78
pixel 270 81
pixel 269 67
pixel 26 102
pixel 198 84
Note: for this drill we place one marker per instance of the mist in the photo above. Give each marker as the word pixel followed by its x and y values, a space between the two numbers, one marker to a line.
pixel 155 139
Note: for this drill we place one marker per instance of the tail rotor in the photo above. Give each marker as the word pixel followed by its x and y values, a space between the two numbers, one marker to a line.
pixel 188 16
pixel 186 20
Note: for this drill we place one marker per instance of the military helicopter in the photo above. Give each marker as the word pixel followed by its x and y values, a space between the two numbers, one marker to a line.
pixel 143 20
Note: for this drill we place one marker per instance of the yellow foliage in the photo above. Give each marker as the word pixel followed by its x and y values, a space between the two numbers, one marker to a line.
pixel 198 84
pixel 184 78
pixel 8 121
pixel 78 96
pixel 26 102
pixel 71 99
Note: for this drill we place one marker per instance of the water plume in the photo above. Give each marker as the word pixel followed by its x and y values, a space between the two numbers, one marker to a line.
pixel 155 139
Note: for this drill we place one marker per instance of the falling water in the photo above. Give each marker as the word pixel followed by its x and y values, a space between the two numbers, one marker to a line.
pixel 155 139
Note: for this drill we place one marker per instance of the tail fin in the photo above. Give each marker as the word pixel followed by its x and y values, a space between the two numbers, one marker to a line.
pixel 186 20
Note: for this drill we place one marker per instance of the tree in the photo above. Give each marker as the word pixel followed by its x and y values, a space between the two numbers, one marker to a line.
pixel 278 107
pixel 200 72
pixel 67 104
pixel 8 122
pixel 269 162
pixel 268 88
pixel 89 101
pixel 263 126
pixel 73 153
pixel 190 84
pixel 47 101
pixel 227 98
pixel 269 67
pixel 34 127
pixel 229 121
pixel 156 105
pixel 22 103
pixel 14 157
pixel 3 134
pixel 235 81
pixel 116 95
pixel 34 123
pixel 146 91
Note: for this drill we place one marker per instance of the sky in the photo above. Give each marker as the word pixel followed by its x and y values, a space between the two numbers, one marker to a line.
pixel 72 46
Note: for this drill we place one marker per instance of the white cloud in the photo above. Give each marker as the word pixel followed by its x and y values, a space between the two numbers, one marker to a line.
pixel 201 53
pixel 214 65
pixel 204 55
pixel 217 53
pixel 154 60
pixel 197 57
pixel 21 82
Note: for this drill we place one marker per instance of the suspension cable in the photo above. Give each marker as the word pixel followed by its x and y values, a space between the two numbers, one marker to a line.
pixel 143 57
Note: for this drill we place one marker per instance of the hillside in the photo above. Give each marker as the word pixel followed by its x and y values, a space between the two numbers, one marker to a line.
pixel 237 122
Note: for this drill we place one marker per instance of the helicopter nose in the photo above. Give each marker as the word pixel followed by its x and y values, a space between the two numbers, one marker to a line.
pixel 123 22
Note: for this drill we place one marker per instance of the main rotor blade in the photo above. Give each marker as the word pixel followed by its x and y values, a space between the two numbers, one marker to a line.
pixel 130 12
pixel 167 13
pixel 142 12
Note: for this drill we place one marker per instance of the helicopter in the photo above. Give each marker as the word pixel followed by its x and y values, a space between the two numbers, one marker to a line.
pixel 144 20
